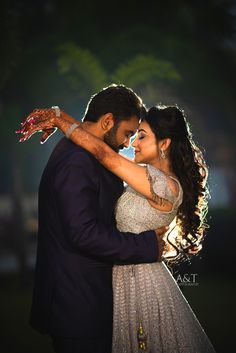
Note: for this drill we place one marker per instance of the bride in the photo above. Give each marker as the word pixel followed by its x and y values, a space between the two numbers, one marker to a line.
pixel 150 312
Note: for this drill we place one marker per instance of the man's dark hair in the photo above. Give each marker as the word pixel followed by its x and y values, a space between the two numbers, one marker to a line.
pixel 119 100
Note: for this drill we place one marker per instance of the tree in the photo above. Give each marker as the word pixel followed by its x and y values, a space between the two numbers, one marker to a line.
pixel 81 70
pixel 151 77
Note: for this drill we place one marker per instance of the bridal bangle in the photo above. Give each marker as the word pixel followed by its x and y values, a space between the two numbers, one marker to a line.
pixel 57 110
pixel 71 129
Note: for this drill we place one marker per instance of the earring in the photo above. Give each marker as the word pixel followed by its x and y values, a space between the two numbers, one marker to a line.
pixel 163 155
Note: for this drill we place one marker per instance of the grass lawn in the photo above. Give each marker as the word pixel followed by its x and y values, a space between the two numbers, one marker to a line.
pixel 16 334
pixel 212 301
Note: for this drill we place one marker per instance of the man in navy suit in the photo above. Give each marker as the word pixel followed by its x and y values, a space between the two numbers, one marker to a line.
pixel 78 241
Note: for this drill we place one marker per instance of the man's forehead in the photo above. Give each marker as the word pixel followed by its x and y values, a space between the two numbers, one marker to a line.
pixel 130 124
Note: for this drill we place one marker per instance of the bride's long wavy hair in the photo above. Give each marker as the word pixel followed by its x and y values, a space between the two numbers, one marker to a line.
pixel 189 166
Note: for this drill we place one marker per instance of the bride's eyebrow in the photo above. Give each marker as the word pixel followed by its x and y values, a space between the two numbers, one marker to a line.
pixel 140 130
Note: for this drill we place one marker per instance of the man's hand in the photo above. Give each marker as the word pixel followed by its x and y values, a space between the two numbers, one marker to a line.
pixel 160 232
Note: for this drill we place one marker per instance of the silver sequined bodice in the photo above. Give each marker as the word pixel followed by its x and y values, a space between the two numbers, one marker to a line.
pixel 134 213
pixel 147 294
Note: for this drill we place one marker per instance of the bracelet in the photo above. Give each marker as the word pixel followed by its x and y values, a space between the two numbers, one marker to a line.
pixel 57 110
pixel 71 129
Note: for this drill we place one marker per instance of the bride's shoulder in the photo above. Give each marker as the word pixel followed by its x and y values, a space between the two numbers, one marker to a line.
pixel 169 181
pixel 155 173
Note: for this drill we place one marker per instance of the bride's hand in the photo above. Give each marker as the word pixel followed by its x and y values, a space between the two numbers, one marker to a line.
pixel 160 232
pixel 40 120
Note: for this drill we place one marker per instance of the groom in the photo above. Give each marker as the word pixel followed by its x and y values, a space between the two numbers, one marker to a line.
pixel 78 241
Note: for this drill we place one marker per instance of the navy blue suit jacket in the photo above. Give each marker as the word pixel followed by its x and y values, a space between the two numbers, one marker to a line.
pixel 78 243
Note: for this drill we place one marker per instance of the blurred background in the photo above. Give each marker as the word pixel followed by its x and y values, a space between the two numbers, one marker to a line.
pixel 56 52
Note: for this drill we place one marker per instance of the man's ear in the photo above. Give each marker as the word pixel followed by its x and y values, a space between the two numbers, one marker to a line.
pixel 107 122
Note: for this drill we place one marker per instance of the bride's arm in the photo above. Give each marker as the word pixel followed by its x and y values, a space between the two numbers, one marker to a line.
pixel 132 173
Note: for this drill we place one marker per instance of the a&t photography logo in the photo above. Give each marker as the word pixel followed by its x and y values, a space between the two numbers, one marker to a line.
pixel 187 279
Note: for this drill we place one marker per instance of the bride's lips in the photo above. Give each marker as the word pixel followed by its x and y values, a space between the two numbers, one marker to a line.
pixel 136 151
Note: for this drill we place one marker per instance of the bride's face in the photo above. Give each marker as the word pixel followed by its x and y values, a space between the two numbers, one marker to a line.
pixel 145 145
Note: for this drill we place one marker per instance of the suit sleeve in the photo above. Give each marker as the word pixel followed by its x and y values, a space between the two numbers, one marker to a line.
pixel 76 190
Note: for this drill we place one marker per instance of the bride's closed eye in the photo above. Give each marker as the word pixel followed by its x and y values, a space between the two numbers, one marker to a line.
pixel 141 137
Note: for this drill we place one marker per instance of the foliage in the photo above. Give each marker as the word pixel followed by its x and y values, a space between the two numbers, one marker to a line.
pixel 150 76
pixel 81 69
pixel 169 52
pixel 10 47
pixel 143 69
